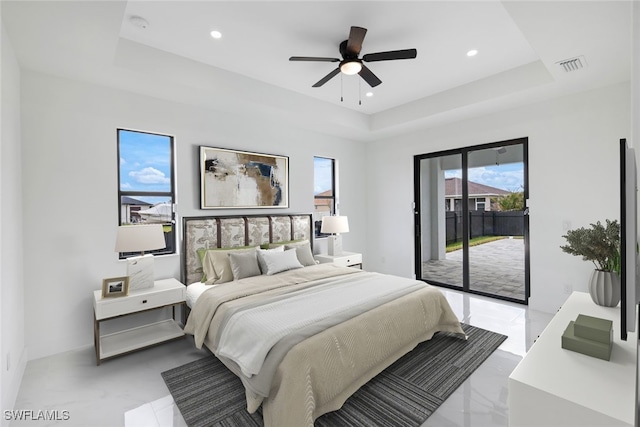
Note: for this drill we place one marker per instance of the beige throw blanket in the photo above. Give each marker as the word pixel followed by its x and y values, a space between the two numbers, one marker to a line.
pixel 319 373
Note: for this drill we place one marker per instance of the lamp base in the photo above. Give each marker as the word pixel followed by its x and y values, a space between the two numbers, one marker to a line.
pixel 334 245
pixel 140 272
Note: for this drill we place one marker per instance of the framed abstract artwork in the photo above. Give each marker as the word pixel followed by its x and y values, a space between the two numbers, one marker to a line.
pixel 241 179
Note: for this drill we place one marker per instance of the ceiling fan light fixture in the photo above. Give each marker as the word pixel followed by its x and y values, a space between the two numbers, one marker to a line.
pixel 351 67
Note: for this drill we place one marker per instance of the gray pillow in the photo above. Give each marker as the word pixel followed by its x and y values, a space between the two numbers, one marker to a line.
pixel 244 264
pixel 303 252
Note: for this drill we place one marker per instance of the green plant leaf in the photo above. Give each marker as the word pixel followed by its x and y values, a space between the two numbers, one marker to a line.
pixel 598 244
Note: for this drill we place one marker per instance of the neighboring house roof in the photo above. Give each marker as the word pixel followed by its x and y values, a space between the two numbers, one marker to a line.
pixel 324 202
pixel 453 188
pixel 126 200
pixel 327 193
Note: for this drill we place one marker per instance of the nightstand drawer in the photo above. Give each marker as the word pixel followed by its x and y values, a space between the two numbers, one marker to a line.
pixel 140 300
pixel 346 261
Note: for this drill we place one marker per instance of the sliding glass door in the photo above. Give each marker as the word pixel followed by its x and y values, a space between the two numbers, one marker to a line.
pixel 440 227
pixel 471 221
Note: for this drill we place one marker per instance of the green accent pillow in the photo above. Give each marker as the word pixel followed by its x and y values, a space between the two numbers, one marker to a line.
pixel 288 242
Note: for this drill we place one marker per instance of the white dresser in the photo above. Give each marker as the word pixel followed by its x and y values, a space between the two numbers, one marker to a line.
pixel 553 386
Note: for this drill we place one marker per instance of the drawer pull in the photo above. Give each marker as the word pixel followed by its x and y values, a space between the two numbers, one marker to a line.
pixel 144 301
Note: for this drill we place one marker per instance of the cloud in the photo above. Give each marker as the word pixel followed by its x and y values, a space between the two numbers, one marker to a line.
pixel 494 176
pixel 149 176
pixel 505 179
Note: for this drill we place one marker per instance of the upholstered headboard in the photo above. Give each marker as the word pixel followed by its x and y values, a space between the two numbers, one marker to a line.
pixel 232 231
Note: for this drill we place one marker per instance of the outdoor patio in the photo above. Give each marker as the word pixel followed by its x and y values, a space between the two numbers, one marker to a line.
pixel 495 267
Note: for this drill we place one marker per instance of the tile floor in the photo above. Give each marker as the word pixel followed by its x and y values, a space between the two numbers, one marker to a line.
pixel 129 391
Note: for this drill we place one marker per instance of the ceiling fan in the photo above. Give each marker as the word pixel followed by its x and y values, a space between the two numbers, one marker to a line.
pixel 351 64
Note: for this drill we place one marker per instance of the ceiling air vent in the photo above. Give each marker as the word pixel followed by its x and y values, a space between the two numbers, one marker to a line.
pixel 572 64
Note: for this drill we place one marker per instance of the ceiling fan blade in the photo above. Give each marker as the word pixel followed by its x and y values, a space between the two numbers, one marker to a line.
pixel 390 55
pixel 369 77
pixel 356 37
pixel 313 58
pixel 327 77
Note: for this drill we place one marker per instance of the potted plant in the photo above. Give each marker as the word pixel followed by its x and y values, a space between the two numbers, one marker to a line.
pixel 601 245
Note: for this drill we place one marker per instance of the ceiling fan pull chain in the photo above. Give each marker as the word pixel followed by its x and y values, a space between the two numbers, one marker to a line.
pixel 359 92
pixel 341 80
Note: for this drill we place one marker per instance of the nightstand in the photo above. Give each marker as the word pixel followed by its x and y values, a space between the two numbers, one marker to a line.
pixel 346 259
pixel 164 293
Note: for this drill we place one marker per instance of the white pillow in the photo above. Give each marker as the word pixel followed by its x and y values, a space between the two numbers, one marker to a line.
pixel 277 261
pixel 263 266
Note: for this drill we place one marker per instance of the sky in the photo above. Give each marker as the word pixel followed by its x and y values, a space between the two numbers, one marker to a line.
pixel 321 174
pixel 509 177
pixel 145 162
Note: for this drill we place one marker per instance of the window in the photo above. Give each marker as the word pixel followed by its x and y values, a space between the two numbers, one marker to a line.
pixel 146 183
pixel 324 192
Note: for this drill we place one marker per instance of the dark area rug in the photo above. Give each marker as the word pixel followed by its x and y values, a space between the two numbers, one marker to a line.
pixel 404 394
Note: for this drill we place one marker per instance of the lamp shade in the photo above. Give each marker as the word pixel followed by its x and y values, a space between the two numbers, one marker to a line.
pixel 334 224
pixel 140 238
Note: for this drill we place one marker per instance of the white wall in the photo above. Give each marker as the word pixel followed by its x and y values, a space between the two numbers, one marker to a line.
pixel 573 176
pixel 12 344
pixel 70 189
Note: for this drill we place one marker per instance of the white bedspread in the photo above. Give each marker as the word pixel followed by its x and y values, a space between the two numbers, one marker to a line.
pixel 250 334
pixel 308 374
pixel 194 291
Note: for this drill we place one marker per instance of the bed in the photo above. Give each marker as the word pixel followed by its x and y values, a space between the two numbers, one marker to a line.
pixel 301 336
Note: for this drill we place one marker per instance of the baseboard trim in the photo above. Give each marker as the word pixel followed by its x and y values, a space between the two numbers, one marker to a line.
pixel 14 380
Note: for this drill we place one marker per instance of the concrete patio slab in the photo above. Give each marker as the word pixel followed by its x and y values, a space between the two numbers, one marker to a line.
pixel 495 268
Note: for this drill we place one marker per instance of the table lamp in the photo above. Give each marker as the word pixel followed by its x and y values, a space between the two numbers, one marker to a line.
pixel 140 238
pixel 335 225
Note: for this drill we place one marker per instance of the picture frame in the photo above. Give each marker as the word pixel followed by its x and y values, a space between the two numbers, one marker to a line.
pixel 233 179
pixel 115 287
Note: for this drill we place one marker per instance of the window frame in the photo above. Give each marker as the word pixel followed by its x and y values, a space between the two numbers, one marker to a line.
pixel 333 209
pixel 171 194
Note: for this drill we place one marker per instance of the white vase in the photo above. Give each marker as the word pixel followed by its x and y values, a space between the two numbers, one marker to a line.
pixel 604 288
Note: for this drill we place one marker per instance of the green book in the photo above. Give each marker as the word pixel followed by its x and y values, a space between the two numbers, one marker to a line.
pixel 594 328
pixel 585 346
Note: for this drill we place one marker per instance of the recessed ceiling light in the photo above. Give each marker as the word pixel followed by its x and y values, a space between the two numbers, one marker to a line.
pixel 216 34
pixel 369 94
pixel 472 52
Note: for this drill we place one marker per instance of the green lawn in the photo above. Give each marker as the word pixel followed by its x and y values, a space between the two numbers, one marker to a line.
pixel 477 241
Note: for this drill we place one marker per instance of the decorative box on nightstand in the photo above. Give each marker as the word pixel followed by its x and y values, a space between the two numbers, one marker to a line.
pixel 346 259
pixel 164 293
